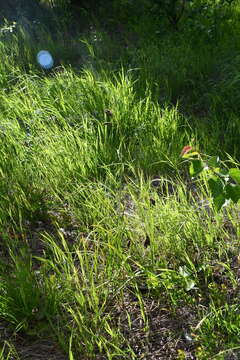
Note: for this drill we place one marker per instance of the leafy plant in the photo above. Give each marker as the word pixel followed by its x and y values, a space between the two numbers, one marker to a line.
pixel 224 183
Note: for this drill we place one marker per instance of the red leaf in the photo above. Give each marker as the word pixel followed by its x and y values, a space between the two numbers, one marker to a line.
pixel 185 150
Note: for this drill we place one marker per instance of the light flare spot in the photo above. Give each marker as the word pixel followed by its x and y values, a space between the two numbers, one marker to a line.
pixel 45 59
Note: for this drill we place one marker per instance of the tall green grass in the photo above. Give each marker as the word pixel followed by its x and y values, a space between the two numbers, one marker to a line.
pixel 107 247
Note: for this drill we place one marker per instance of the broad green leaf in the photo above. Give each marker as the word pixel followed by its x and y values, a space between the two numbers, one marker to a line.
pixel 235 174
pixel 216 187
pixel 213 162
pixel 196 167
pixel 233 192
pixel 189 285
pixel 223 172
pixel 190 154
pixel 219 201
pixel 183 271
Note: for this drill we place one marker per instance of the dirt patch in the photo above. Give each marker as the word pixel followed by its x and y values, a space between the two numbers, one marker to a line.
pixel 162 335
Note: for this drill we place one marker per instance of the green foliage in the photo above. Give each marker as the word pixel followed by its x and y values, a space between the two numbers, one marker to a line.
pixel 8 352
pixel 106 249
pixel 219 178
pixel 23 301
pixel 202 15
pixel 173 9
pixel 218 328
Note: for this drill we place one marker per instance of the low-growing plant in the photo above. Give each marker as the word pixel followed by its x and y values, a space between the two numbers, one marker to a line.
pixel 224 183
pixel 8 352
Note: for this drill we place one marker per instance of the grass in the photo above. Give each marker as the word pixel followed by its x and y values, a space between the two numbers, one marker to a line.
pixel 108 249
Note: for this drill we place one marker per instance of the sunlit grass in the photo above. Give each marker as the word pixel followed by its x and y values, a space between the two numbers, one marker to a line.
pixel 106 243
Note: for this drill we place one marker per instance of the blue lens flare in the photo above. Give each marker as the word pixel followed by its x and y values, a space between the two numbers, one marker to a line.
pixel 45 59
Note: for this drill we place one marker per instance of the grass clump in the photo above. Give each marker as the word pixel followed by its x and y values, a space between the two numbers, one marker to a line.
pixel 110 248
